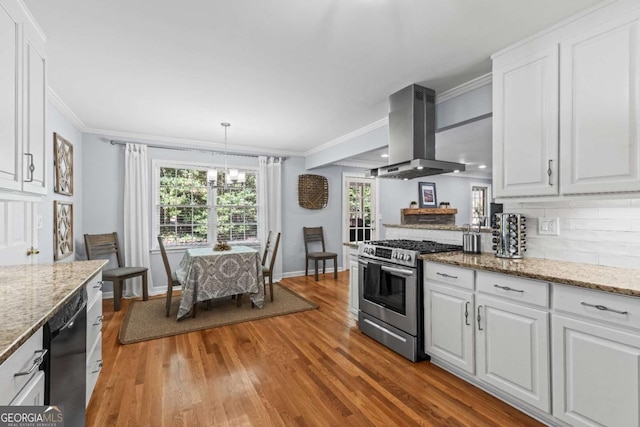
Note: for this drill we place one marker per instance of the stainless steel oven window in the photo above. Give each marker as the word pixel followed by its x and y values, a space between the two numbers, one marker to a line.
pixel 388 291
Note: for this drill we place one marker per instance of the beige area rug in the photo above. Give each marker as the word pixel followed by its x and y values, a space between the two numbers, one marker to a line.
pixel 145 320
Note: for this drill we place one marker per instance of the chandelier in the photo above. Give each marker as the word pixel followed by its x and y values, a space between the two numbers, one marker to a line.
pixel 233 178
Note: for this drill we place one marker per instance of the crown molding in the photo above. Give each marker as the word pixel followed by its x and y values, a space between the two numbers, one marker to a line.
pixel 474 84
pixel 32 20
pixel 64 109
pixel 349 136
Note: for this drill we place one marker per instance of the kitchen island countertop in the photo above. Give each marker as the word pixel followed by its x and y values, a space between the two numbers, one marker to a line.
pixel 624 281
pixel 31 294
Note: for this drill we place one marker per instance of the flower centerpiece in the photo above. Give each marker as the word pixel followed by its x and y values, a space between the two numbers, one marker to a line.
pixel 222 246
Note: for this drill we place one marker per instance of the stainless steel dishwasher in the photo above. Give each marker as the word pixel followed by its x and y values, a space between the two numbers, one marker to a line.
pixel 65 370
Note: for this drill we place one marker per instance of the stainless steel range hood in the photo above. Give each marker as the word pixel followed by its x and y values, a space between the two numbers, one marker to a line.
pixel 412 140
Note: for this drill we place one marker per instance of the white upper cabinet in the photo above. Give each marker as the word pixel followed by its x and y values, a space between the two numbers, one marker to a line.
pixel 599 109
pixel 525 126
pixel 10 105
pixel 22 110
pixel 566 107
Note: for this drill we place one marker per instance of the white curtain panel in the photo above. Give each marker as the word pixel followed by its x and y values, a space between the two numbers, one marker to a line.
pixel 270 205
pixel 136 216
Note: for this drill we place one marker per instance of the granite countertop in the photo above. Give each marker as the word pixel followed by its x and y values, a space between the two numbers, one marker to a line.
pixel 436 227
pixel 624 281
pixel 31 294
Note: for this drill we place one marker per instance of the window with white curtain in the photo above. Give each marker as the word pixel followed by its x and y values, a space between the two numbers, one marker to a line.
pixel 188 212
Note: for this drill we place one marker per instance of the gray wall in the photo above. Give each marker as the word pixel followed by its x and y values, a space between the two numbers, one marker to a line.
pixel 56 122
pixel 466 106
pixel 294 217
pixel 397 194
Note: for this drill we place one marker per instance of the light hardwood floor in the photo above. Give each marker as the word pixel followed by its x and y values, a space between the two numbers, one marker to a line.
pixel 313 368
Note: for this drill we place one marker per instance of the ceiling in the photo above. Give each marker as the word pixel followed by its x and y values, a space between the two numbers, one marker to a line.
pixel 289 75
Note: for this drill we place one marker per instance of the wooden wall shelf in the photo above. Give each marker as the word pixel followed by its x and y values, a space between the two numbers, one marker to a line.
pixel 429 211
pixel 434 216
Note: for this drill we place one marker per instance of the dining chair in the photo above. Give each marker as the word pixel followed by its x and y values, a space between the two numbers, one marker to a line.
pixel 100 245
pixel 312 237
pixel 267 270
pixel 172 280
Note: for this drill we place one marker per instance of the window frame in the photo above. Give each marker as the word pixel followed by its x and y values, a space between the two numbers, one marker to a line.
pixel 157 164
pixel 487 202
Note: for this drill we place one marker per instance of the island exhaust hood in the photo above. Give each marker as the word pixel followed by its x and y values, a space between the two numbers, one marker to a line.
pixel 412 138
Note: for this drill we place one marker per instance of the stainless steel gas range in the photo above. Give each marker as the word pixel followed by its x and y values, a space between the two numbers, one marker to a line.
pixel 390 293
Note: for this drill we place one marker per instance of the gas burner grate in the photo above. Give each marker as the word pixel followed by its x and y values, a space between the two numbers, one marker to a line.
pixel 421 246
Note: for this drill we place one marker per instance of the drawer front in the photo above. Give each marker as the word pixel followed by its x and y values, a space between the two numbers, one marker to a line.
pixel 33 393
pixel 94 366
pixel 94 319
pixel 94 285
pixel 514 288
pixel 21 361
pixel 597 305
pixel 449 274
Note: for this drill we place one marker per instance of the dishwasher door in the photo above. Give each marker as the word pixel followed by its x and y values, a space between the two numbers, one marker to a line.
pixel 66 373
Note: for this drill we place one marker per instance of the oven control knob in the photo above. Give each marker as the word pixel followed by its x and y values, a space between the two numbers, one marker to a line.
pixel 395 255
pixel 407 257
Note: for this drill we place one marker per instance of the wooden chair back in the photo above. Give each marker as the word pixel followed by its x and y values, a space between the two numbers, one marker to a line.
pixel 273 251
pixel 103 244
pixel 165 259
pixel 313 234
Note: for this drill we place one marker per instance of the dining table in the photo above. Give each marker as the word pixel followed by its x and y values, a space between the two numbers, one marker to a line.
pixel 205 274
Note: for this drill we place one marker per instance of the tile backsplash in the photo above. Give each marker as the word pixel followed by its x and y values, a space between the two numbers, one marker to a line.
pixel 604 232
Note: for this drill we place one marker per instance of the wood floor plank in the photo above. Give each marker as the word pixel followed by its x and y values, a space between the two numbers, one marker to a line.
pixel 311 368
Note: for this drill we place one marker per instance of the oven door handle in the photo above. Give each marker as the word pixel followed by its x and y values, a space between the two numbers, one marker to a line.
pixel 401 271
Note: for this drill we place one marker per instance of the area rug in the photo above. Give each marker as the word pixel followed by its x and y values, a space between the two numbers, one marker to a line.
pixel 145 320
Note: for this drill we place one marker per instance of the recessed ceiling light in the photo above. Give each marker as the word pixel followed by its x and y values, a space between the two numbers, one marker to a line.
pixel 405 179
pixel 420 168
pixel 482 167
pixel 385 155
pixel 456 171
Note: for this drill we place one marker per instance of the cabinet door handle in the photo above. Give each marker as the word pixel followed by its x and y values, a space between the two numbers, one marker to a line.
pixel 603 308
pixel 35 364
pixel 506 288
pixel 98 285
pixel 98 321
pixel 99 367
pixel 31 167
pixel 479 318
pixel 549 172
pixel 446 275
pixel 466 314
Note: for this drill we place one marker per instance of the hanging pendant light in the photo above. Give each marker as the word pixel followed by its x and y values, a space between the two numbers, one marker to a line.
pixel 231 176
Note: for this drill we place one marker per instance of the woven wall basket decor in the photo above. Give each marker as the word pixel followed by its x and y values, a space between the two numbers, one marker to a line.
pixel 313 191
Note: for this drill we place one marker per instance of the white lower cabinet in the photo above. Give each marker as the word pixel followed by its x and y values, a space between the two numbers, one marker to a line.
pixel 353 281
pixel 94 334
pixel 449 325
pixel 512 350
pixel 596 362
pixel 21 381
pixel 492 329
